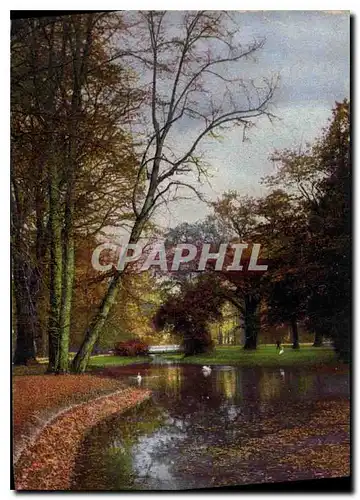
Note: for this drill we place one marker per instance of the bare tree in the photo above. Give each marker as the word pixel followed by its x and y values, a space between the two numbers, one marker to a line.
pixel 191 67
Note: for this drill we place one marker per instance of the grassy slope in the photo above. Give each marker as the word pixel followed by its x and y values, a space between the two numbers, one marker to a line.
pixel 263 356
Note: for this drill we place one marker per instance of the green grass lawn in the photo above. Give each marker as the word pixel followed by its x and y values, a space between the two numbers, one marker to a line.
pixel 95 363
pixel 101 361
pixel 263 356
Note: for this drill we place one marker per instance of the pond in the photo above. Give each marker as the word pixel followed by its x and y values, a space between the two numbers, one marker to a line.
pixel 235 426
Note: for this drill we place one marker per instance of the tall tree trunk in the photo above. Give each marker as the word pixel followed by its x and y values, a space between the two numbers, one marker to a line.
pixel 41 342
pixel 68 256
pixel 318 340
pixel 41 249
pixel 82 357
pixel 66 303
pixel 81 50
pixel 22 284
pixel 295 333
pixel 40 303
pixel 68 273
pixel 55 294
pixel 251 322
pixel 25 345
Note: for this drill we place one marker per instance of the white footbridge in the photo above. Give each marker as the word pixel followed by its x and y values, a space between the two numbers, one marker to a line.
pixel 160 349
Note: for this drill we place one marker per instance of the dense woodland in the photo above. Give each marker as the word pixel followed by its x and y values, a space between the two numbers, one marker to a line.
pixel 96 101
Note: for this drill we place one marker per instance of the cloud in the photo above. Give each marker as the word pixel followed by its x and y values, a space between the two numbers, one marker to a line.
pixel 311 51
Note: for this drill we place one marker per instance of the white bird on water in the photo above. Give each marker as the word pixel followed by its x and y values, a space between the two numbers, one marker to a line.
pixel 206 370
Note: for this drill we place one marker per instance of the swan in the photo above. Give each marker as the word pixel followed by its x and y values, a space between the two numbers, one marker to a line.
pixel 206 369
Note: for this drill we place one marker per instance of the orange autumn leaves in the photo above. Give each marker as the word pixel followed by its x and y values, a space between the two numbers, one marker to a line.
pixel 47 462
pixel 37 395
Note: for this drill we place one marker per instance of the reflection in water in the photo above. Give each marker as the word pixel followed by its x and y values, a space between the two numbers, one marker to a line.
pixel 226 383
pixel 169 443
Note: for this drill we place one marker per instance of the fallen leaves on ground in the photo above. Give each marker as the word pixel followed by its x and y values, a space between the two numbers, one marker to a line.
pixel 318 448
pixel 47 464
pixel 36 398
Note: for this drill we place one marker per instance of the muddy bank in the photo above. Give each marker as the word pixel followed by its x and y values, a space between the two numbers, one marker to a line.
pixel 47 463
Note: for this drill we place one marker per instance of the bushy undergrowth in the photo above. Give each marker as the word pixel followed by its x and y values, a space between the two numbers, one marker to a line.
pixel 133 347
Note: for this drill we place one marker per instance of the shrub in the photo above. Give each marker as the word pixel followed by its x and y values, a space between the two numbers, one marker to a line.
pixel 133 347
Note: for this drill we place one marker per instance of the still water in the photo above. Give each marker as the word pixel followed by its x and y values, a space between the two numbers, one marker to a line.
pixel 202 431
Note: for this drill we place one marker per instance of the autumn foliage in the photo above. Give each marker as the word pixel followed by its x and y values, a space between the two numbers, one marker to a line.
pixel 188 314
pixel 133 347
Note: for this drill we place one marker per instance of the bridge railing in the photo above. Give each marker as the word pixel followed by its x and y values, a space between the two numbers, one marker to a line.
pixel 158 349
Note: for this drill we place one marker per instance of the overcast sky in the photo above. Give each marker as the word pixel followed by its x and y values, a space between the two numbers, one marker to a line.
pixel 310 51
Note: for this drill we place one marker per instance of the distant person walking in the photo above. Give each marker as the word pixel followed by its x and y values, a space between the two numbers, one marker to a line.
pixel 278 345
